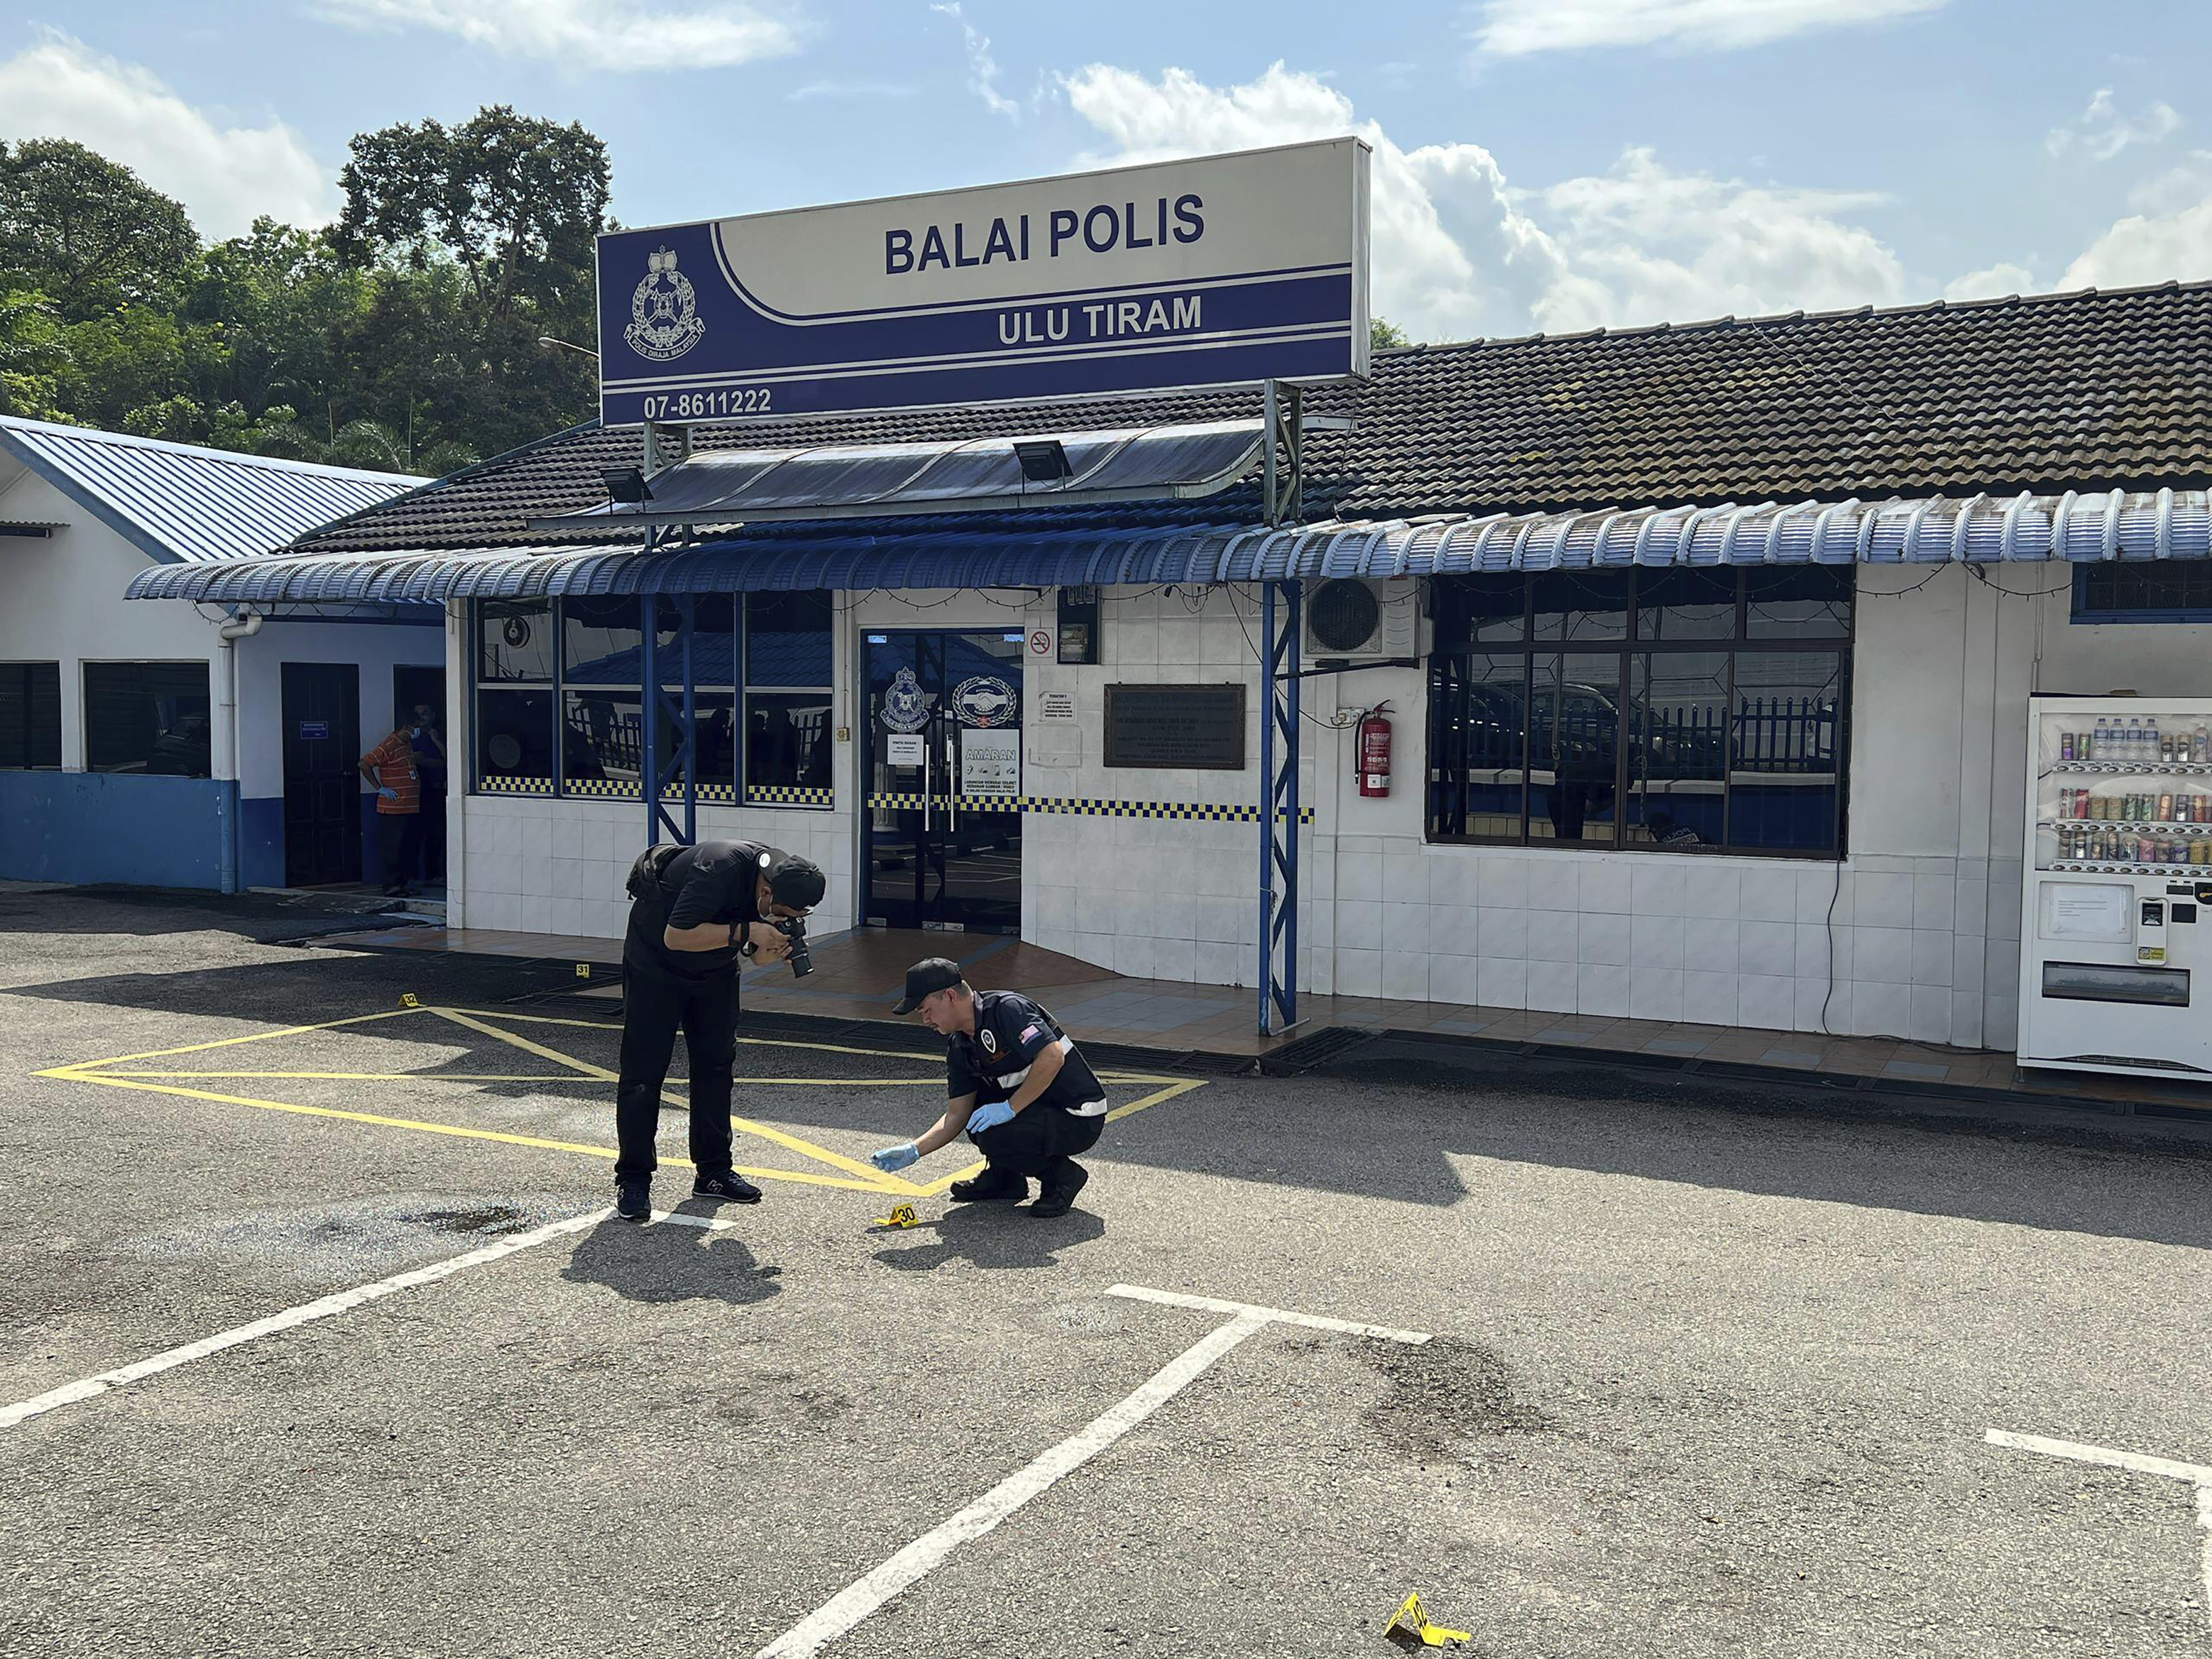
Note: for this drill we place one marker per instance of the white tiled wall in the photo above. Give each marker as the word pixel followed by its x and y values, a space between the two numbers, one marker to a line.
pixel 557 867
pixel 1160 898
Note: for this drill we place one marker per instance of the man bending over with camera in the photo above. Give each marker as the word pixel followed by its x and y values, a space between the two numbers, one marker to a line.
pixel 696 913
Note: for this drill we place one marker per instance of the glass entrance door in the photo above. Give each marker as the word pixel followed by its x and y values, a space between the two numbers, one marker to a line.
pixel 943 725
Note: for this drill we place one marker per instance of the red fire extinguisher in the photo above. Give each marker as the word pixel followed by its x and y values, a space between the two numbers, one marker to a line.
pixel 1375 752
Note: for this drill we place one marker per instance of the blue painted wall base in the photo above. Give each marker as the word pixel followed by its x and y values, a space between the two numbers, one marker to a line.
pixel 84 827
pixel 261 841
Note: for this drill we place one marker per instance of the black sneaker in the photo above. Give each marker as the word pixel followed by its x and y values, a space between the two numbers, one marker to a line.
pixel 991 1185
pixel 1059 1198
pixel 725 1184
pixel 634 1200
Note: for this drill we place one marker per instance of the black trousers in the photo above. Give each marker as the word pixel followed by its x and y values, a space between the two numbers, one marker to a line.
pixel 402 847
pixel 654 1006
pixel 1041 1141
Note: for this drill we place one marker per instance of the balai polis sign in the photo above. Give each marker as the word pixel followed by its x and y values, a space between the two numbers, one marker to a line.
pixel 1219 269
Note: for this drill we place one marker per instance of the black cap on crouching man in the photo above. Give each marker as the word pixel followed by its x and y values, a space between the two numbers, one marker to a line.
pixel 926 978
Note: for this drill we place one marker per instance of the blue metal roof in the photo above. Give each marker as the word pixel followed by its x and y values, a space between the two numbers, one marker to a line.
pixel 1983 530
pixel 180 504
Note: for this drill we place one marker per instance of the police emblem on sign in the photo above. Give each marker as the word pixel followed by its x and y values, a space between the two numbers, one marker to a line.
pixel 984 700
pixel 906 705
pixel 664 312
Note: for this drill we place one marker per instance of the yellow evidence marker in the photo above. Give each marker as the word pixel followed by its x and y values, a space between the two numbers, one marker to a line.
pixel 583 970
pixel 1412 1620
pixel 409 1000
pixel 903 1216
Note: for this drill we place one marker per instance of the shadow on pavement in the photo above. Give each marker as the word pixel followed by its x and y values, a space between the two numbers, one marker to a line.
pixel 996 1236
pixel 668 1261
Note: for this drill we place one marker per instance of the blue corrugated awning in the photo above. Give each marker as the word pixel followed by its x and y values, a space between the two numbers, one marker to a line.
pixel 2089 529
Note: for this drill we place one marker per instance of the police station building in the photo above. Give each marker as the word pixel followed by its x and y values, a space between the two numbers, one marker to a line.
pixel 1678 673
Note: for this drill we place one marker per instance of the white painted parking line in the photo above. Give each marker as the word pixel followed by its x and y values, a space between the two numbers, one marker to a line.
pixel 307 1313
pixel 858 1600
pixel 1272 1315
pixel 2079 1453
pixel 2197 1474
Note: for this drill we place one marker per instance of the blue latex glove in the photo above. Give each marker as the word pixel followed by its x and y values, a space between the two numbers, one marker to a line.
pixel 895 1157
pixel 990 1116
pixel 388 794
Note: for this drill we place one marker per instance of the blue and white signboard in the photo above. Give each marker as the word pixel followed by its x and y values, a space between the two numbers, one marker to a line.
pixel 1219 269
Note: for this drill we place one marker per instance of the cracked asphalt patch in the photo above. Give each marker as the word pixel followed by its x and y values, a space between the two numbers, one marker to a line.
pixel 1701 1382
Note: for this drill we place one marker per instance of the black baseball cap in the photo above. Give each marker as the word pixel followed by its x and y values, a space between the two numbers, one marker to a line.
pixel 793 880
pixel 931 975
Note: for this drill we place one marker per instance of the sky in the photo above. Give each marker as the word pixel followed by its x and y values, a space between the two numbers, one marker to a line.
pixel 1540 165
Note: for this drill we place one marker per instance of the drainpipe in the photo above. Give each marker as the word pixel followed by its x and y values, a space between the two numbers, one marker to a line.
pixel 244 624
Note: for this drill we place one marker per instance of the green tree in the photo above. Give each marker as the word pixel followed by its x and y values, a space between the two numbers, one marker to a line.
pixel 89 234
pixel 31 354
pixel 480 237
pixel 1383 335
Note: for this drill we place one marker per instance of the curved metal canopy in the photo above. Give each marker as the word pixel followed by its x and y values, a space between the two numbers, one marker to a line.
pixel 1985 530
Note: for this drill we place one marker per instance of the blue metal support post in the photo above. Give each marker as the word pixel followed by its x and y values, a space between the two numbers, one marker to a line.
pixel 1283 606
pixel 658 705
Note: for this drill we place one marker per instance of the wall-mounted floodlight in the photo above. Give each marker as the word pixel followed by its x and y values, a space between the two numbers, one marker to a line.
pixel 626 485
pixel 1044 460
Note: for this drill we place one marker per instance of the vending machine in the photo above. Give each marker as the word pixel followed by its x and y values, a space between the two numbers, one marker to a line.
pixel 2115 929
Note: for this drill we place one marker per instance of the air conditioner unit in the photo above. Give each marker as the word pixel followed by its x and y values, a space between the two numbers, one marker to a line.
pixel 1354 620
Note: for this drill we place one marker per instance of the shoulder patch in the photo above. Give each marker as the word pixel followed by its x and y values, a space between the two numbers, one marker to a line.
pixel 990 1039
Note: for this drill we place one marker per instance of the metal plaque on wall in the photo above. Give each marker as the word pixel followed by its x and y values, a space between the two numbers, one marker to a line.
pixel 1198 728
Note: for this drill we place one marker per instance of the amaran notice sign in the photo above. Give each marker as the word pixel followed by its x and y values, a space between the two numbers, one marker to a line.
pixel 1219 269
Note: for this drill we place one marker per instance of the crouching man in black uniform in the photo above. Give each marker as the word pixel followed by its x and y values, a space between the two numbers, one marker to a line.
pixel 696 913
pixel 1021 1091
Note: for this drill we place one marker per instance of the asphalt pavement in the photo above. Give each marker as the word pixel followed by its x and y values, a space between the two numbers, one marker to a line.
pixel 1707 1371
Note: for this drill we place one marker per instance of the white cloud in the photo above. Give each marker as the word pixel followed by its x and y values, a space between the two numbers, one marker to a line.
pixel 62 88
pixel 1456 251
pixel 1512 28
pixel 598 35
pixel 1671 247
pixel 843 89
pixel 2141 249
pixel 1992 283
pixel 2181 186
pixel 1451 255
pixel 982 68
pixel 2102 132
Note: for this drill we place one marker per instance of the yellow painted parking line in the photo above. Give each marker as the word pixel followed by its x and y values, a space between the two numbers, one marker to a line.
pixel 876 1179
pixel 423 1125
pixel 855 1175
pixel 226 1043
pixel 1178 1087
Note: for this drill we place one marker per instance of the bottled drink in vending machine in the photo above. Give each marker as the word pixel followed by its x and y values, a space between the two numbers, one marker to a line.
pixel 2100 745
pixel 2150 742
pixel 2199 747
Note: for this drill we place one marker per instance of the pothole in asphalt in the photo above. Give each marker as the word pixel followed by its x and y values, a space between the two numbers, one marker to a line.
pixel 1443 1394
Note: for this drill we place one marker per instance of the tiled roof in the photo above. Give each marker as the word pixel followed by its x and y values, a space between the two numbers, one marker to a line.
pixel 175 502
pixel 2054 392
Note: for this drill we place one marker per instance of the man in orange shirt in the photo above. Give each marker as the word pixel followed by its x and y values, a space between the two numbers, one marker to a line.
pixel 390 769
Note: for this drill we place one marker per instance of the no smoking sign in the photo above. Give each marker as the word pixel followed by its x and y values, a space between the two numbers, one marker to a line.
pixel 1041 643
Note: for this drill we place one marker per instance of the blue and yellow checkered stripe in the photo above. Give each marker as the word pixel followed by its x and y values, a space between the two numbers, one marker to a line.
pixel 786 794
pixel 1081 807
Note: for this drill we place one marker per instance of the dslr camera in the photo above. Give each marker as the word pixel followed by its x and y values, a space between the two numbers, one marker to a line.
pixel 794 929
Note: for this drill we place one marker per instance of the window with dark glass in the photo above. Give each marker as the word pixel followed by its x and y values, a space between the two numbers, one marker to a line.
pixel 518 647
pixel 151 717
pixel 30 716
pixel 1673 709
pixel 787 668
pixel 561 705
pixel 2165 590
